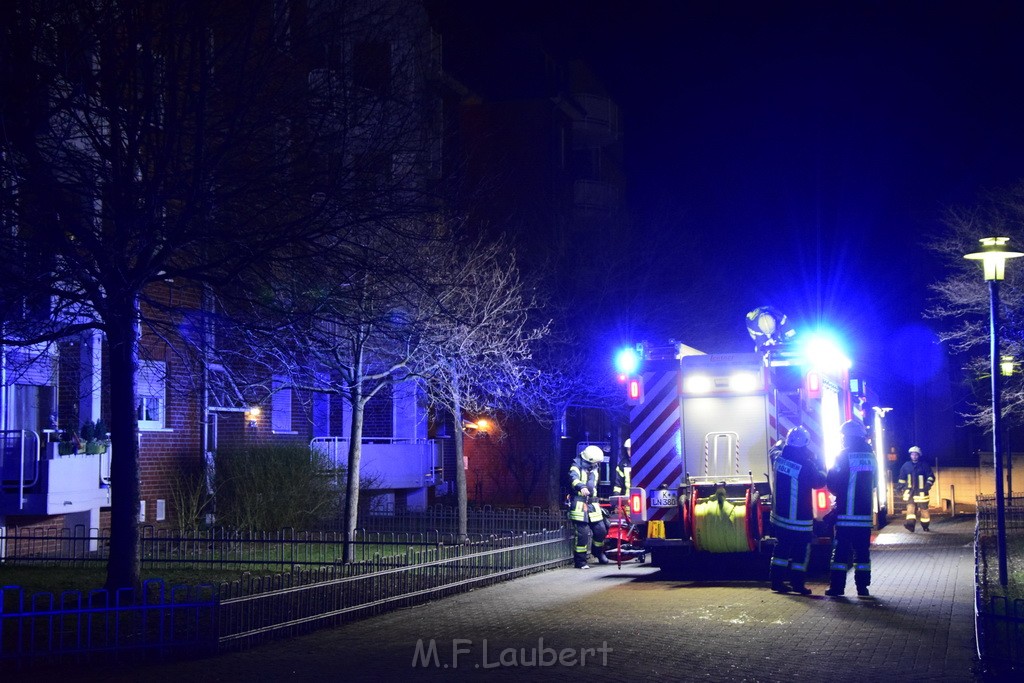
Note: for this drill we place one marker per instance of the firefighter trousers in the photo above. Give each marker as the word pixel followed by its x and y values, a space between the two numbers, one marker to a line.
pixel 917 511
pixel 790 558
pixel 851 547
pixel 585 534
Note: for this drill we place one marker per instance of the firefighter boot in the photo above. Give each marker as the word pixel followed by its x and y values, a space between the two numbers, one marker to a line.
pixel 862 587
pixel 924 526
pixel 797 583
pixel 837 585
pixel 601 557
pixel 910 525
pixel 776 576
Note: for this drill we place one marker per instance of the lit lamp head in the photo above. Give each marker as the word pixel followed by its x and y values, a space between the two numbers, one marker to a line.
pixel 1007 365
pixel 993 256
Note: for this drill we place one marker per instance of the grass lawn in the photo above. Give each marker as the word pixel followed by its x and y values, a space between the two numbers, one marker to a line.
pixel 57 579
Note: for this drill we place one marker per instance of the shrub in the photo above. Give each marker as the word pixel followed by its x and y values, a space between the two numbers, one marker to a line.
pixel 269 487
pixel 189 496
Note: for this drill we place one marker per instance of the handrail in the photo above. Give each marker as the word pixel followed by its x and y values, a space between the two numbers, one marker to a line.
pixel 22 483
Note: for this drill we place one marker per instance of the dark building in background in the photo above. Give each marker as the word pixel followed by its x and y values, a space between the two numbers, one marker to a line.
pixel 534 147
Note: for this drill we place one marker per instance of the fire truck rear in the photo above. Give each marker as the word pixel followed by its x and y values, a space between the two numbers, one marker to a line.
pixel 702 427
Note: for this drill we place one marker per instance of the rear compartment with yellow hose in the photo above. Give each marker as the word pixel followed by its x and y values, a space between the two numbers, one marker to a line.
pixel 720 525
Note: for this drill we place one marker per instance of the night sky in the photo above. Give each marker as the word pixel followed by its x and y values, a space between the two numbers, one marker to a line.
pixel 801 151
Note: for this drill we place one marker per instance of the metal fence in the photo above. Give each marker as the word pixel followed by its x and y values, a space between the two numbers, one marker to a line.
pixel 999 611
pixel 445 519
pixel 310 588
pixel 50 628
pixel 428 574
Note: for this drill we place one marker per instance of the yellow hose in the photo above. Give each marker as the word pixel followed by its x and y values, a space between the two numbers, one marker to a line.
pixel 720 526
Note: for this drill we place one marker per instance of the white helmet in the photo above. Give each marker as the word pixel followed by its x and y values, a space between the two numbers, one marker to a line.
pixel 854 429
pixel 592 454
pixel 915 449
pixel 798 437
pixel 628 443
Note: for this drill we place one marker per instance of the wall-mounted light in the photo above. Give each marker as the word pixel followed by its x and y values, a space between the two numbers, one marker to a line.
pixel 480 426
pixel 252 414
pixel 1007 365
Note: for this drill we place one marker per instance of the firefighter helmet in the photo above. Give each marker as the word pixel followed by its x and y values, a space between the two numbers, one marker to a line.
pixel 915 449
pixel 592 454
pixel 854 429
pixel 798 437
pixel 628 443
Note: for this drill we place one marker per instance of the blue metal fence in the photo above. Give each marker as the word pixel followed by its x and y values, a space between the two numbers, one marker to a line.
pixel 43 628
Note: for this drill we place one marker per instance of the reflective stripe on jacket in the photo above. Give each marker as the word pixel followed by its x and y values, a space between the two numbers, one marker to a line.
pixel 917 477
pixel 584 508
pixel 852 481
pixel 796 475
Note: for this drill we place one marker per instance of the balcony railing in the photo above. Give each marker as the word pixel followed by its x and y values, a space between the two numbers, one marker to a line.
pixel 35 480
pixel 594 195
pixel 387 463
pixel 599 125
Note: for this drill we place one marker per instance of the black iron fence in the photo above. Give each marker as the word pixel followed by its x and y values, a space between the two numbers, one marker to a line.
pixel 445 519
pixel 309 587
pixel 426 574
pixel 999 610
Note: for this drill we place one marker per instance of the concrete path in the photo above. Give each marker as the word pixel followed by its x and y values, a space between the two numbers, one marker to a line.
pixel 637 624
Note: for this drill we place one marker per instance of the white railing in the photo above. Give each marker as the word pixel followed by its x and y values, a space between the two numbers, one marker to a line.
pixel 34 480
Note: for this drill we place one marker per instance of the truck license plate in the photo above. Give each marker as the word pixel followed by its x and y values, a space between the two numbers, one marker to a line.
pixel 663 498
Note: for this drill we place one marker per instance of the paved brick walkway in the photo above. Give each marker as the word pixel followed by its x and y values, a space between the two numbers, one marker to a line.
pixel 634 623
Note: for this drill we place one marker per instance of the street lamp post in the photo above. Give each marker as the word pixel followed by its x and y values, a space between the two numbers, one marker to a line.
pixel 993 257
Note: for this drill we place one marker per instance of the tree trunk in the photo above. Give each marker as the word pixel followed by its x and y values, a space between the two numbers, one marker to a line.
pixel 555 473
pixel 352 481
pixel 123 336
pixel 460 468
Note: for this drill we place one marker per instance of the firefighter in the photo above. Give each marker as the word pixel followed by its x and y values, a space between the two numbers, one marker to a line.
pixel 584 511
pixel 796 475
pixel 852 481
pixel 916 479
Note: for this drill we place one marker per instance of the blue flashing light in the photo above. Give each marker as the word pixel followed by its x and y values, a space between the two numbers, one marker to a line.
pixel 822 352
pixel 627 361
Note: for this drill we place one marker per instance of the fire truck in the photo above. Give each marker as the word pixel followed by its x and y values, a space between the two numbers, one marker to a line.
pixel 702 427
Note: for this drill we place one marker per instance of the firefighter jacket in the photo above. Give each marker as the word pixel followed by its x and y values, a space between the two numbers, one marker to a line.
pixel 622 478
pixel 582 508
pixel 916 477
pixel 852 481
pixel 796 475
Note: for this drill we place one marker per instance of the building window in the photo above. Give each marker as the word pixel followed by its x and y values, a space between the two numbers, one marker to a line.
pixel 372 67
pixel 152 397
pixel 281 406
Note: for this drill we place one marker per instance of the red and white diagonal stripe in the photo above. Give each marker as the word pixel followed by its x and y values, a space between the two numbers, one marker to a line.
pixel 656 437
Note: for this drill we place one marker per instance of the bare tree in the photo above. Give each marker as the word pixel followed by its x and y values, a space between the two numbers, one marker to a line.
pixel 180 141
pixel 478 347
pixel 354 327
pixel 960 300
pixel 566 374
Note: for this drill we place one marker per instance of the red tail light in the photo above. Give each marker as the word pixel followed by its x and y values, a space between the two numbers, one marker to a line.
pixel 813 385
pixel 638 505
pixel 635 390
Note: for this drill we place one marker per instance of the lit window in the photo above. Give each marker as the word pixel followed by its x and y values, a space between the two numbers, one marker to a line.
pixel 151 399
